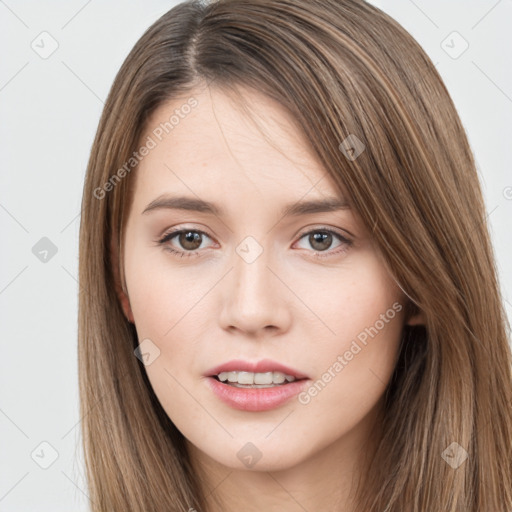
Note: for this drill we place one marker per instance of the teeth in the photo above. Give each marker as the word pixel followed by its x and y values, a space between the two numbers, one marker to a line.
pixel 255 378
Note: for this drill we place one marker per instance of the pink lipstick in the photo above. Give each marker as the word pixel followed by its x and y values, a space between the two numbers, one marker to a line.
pixel 259 386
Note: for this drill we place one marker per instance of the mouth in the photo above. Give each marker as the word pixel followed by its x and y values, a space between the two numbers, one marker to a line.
pixel 258 380
pixel 261 374
pixel 255 391
pixel 255 386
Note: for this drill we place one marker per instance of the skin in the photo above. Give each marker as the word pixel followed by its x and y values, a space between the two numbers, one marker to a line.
pixel 287 305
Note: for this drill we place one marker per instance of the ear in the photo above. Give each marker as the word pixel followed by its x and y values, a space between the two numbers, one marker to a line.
pixel 414 316
pixel 120 287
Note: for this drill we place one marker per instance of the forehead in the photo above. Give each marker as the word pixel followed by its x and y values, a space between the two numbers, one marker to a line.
pixel 207 142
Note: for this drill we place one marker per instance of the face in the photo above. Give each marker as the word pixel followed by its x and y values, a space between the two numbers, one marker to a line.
pixel 252 278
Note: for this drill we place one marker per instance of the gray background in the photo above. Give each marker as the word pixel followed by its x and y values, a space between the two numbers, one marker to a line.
pixel 50 108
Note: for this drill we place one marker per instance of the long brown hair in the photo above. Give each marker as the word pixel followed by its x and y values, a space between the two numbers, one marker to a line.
pixel 341 68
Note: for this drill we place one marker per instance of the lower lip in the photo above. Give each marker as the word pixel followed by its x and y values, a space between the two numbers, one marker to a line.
pixel 255 399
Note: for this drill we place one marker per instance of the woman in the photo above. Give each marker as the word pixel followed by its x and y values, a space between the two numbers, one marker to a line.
pixel 289 299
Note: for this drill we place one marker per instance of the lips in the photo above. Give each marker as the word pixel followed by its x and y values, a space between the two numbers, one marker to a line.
pixel 263 366
pixel 255 399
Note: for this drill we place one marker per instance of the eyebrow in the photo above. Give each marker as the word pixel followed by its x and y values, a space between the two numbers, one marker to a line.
pixel 198 205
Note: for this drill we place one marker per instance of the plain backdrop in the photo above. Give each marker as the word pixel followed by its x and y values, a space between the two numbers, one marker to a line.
pixel 59 59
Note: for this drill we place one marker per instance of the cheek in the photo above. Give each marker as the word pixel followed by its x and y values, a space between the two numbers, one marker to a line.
pixel 169 308
pixel 356 369
pixel 162 293
pixel 352 369
pixel 355 301
pixel 168 311
pixel 354 358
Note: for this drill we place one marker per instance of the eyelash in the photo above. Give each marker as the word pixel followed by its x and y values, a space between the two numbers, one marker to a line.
pixel 346 243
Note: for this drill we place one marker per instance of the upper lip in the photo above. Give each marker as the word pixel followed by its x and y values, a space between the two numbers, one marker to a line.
pixel 263 366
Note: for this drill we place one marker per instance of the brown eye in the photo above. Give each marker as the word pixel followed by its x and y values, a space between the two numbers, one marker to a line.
pixel 190 240
pixel 320 240
pixel 184 242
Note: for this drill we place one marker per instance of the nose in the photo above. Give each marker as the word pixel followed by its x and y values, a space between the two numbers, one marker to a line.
pixel 254 298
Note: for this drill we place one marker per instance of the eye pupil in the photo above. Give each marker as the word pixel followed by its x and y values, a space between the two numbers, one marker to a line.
pixel 325 240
